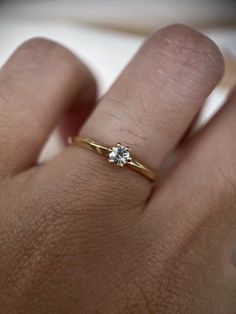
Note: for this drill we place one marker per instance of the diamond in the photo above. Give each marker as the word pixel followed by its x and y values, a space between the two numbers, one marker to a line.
pixel 119 155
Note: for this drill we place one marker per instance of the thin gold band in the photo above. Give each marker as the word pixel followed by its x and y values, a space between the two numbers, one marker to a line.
pixel 104 151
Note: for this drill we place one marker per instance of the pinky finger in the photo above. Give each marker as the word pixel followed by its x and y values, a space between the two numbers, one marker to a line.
pixel 196 206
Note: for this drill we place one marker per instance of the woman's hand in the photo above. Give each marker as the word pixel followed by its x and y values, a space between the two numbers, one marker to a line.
pixel 79 235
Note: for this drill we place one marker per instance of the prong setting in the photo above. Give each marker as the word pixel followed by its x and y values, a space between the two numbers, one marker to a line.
pixel 119 155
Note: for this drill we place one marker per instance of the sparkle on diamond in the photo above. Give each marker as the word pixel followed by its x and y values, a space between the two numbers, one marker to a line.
pixel 119 155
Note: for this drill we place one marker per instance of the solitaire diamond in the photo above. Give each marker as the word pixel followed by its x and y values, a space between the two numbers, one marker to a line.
pixel 119 155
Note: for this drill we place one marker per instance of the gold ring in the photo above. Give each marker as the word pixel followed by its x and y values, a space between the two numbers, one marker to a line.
pixel 118 154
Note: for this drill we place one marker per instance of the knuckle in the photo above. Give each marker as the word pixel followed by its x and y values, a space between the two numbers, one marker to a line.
pixel 38 43
pixel 44 55
pixel 188 48
pixel 39 47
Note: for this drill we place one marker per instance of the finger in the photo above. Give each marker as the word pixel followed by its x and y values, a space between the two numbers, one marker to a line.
pixel 161 91
pixel 39 82
pixel 149 107
pixel 194 213
pixel 203 181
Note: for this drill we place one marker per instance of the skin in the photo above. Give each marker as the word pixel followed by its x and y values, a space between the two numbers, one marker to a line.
pixel 79 235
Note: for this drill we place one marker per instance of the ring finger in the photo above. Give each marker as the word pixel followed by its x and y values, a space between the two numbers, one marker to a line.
pixel 149 107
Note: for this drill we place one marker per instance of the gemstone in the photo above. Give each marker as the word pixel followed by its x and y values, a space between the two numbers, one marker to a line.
pixel 119 155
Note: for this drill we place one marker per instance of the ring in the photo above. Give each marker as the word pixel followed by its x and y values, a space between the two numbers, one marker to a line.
pixel 118 154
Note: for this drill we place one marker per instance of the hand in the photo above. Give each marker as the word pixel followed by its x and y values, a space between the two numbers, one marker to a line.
pixel 79 235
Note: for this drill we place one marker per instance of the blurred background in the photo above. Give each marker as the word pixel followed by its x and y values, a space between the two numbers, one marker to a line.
pixel 107 33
